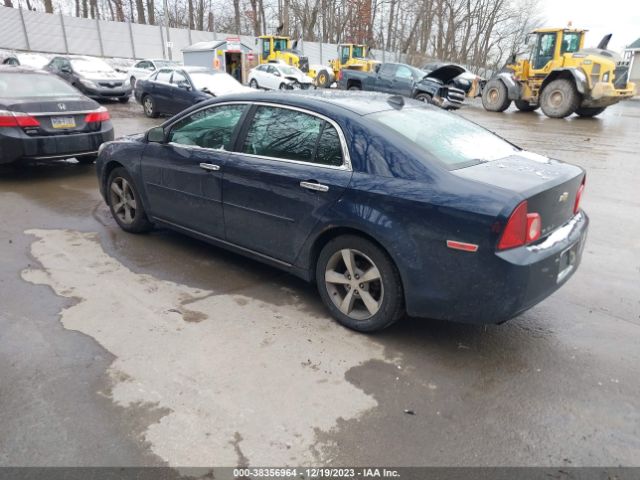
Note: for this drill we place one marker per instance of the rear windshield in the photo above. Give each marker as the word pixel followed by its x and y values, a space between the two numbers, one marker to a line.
pixel 18 85
pixel 445 136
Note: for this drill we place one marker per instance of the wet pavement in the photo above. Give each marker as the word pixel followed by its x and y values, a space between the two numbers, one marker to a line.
pixel 118 349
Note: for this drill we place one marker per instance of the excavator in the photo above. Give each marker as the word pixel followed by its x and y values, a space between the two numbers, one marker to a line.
pixel 560 76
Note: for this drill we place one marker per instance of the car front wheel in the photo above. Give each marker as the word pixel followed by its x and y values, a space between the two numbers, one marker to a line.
pixel 125 204
pixel 359 284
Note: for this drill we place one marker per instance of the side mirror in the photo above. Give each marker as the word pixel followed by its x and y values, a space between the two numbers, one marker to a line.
pixel 277 73
pixel 65 70
pixel 156 135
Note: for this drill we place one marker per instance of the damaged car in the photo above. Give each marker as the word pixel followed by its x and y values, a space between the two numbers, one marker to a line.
pixel 402 79
pixel 277 76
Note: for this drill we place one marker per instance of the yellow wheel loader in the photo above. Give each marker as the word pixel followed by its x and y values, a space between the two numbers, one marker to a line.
pixel 276 48
pixel 350 56
pixel 560 76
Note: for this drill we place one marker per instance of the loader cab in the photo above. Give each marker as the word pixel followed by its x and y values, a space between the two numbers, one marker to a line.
pixel 348 52
pixel 269 45
pixel 548 45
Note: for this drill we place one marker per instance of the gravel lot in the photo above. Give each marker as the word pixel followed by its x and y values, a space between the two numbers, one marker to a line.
pixel 158 349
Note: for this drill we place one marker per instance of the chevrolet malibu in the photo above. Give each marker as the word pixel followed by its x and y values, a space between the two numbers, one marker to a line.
pixel 44 118
pixel 387 204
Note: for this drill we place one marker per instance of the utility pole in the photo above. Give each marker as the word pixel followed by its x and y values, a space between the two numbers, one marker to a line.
pixel 166 24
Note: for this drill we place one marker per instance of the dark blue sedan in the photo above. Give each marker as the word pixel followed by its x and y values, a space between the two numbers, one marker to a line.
pixel 389 205
pixel 173 89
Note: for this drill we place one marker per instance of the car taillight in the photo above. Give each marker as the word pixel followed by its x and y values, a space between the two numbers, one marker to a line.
pixel 17 119
pixel 576 206
pixel 522 228
pixel 100 115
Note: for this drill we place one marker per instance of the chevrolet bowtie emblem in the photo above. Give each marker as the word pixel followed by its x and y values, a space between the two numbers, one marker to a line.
pixel 564 197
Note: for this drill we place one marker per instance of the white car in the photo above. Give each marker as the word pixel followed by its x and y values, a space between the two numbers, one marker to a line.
pixel 144 68
pixel 278 76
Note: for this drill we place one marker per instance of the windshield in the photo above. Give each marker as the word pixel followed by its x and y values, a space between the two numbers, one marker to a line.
pixel 571 42
pixel 358 51
pixel 93 65
pixel 216 83
pixel 16 85
pixel 446 137
pixel 288 70
pixel 279 44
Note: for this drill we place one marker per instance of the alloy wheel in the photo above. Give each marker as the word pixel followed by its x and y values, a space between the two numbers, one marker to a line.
pixel 354 284
pixel 123 201
pixel 148 106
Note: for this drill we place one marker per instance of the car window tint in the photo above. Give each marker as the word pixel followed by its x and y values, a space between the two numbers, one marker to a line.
pixel 140 65
pixel 283 133
pixel 403 72
pixel 209 128
pixel 164 76
pixel 387 69
pixel 329 150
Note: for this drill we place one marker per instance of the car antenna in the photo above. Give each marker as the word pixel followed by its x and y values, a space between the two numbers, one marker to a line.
pixel 396 101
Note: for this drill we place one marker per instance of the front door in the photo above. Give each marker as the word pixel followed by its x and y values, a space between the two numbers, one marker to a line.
pixel 182 95
pixel 291 167
pixel 183 177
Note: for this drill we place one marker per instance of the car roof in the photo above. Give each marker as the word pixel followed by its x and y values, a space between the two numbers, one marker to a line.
pixel 22 69
pixel 359 103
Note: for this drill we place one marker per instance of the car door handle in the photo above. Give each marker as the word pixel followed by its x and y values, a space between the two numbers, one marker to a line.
pixel 210 166
pixel 318 187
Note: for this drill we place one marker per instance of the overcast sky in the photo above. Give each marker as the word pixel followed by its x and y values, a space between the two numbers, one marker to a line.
pixel 620 17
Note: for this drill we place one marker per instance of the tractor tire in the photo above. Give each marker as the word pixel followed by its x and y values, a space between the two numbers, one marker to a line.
pixel 590 112
pixel 495 97
pixel 524 106
pixel 559 98
pixel 323 80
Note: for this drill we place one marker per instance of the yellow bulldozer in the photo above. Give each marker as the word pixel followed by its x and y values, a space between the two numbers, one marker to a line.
pixel 560 76
pixel 350 56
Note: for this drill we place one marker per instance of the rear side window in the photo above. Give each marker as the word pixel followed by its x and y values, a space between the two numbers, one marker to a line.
pixel 209 128
pixel 163 76
pixel 292 135
pixel 452 140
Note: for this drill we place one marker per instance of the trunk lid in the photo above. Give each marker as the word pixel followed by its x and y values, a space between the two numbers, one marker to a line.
pixel 549 186
pixel 57 116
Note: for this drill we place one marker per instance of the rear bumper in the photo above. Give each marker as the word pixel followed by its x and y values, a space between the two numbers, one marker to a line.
pixel 496 287
pixel 17 145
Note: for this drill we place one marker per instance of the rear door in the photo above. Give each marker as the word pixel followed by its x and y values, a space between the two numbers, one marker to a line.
pixel 183 178
pixel 290 168
pixel 386 75
pixel 402 83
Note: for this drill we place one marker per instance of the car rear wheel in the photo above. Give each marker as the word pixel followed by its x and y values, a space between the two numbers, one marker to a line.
pixel 525 106
pixel 559 98
pixel 253 83
pixel 495 97
pixel 124 99
pixel 590 112
pixel 354 87
pixel 125 204
pixel 359 284
pixel 149 106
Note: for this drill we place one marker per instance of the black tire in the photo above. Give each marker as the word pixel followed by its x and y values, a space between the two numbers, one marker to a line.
pixel 283 86
pixel 254 83
pixel 424 97
pixel 385 289
pixel 129 199
pixel 86 159
pixel 124 99
pixel 149 106
pixel 590 112
pixel 524 106
pixel 559 98
pixel 495 97
pixel 354 87
pixel 322 79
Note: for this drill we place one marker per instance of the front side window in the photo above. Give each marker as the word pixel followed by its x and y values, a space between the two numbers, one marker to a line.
pixel 545 49
pixel 345 54
pixel 445 137
pixel 570 42
pixel 358 51
pixel 179 79
pixel 209 128
pixel 292 135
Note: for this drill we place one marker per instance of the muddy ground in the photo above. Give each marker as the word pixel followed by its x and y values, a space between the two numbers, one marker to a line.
pixel 118 349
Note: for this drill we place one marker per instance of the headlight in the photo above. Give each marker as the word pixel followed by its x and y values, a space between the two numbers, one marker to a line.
pixel 88 83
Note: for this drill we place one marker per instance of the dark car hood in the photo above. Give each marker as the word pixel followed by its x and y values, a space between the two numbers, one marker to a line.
pixel 446 73
pixel 60 105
